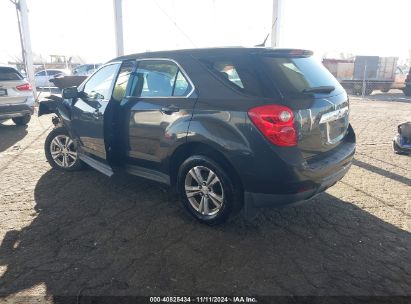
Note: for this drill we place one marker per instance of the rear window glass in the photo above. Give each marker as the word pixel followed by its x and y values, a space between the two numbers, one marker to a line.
pixel 228 71
pixel 268 76
pixel 294 75
pixel 239 72
pixel 9 74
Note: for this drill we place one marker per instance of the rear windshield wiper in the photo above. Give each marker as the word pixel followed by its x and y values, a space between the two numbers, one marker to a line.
pixel 321 89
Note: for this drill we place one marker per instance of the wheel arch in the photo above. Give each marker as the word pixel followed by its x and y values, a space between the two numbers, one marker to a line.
pixel 184 151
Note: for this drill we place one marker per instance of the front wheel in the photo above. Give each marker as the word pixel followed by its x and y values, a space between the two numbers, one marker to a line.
pixel 61 152
pixel 207 190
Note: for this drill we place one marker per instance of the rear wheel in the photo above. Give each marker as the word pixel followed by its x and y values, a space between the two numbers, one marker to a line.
pixel 207 191
pixel 61 151
pixel 22 121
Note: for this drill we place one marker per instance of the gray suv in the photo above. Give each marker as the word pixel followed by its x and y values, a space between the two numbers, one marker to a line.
pixel 227 128
pixel 16 96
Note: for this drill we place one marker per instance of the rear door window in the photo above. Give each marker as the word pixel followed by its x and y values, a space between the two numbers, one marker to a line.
pixel 159 78
pixel 181 86
pixel 9 74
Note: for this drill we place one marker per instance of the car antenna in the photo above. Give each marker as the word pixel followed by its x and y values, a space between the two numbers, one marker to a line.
pixel 266 37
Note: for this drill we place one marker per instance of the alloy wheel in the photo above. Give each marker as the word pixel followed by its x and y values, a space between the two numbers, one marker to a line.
pixel 204 190
pixel 63 151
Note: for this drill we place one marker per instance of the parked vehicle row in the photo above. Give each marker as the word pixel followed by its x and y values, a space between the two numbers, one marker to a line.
pixel 46 78
pixel 227 128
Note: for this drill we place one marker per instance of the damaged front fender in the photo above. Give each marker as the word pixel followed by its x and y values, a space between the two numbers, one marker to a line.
pixel 57 105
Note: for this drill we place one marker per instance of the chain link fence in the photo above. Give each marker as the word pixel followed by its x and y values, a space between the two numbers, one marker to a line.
pixel 364 75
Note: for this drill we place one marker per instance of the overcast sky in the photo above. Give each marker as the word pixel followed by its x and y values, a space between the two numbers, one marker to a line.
pixel 85 27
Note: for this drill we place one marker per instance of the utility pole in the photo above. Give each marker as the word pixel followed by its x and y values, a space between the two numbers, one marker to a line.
pixel 277 21
pixel 25 37
pixel 118 26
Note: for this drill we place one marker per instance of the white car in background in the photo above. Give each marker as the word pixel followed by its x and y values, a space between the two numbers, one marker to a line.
pixel 42 78
pixel 16 96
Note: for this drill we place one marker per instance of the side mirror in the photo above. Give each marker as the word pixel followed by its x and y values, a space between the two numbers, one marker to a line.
pixel 70 93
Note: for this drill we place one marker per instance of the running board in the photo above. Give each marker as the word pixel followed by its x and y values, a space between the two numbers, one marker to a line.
pixel 99 166
pixel 148 174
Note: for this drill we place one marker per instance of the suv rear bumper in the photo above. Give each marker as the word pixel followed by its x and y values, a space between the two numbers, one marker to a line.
pixel 258 200
pixel 309 179
pixel 17 110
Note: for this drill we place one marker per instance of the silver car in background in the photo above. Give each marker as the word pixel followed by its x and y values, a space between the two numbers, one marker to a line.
pixel 86 69
pixel 43 77
pixel 16 96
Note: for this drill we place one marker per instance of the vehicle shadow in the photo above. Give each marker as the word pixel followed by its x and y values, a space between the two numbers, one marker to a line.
pixel 10 134
pixel 394 176
pixel 125 236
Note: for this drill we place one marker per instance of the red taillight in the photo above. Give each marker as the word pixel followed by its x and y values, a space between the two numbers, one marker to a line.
pixel 276 122
pixel 24 87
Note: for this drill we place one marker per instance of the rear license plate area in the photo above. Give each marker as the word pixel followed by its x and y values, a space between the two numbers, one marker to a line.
pixel 3 92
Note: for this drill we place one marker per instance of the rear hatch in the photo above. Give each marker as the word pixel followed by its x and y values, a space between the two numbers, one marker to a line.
pixel 319 102
pixel 295 79
pixel 13 87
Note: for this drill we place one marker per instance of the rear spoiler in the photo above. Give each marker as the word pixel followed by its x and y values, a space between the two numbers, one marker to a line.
pixel 284 52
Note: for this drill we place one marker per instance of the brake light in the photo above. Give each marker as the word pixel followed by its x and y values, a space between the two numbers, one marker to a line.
pixel 276 122
pixel 24 87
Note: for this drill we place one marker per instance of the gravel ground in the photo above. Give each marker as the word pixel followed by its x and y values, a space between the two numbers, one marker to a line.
pixel 85 234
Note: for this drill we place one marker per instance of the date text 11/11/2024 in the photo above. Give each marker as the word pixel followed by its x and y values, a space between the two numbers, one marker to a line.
pixel 203 299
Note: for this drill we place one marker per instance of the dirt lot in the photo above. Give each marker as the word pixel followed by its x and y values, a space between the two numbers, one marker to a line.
pixel 85 234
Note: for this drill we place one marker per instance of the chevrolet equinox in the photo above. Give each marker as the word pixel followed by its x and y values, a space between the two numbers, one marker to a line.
pixel 228 128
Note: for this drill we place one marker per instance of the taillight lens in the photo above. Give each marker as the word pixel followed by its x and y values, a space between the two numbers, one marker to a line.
pixel 24 87
pixel 276 122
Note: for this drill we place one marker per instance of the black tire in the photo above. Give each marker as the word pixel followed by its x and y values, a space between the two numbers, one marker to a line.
pixel 358 89
pixel 230 189
pixel 407 90
pixel 22 120
pixel 397 149
pixel 61 132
